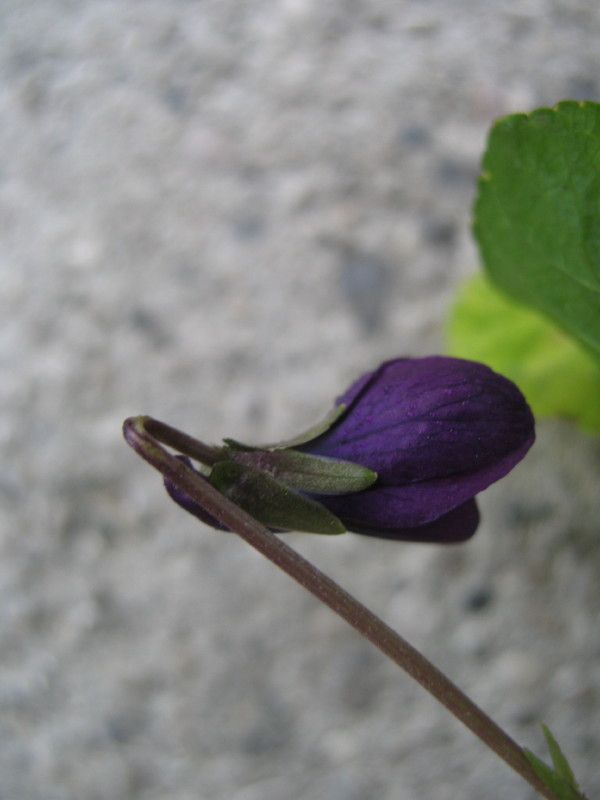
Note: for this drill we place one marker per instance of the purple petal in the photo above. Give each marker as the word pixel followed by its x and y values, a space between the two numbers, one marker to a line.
pixel 455 526
pixel 186 502
pixel 406 506
pixel 419 419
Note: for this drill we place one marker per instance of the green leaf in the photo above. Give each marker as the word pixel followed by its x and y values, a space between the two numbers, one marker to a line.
pixel 307 472
pixel 556 375
pixel 561 765
pixel 560 787
pixel 537 214
pixel 271 502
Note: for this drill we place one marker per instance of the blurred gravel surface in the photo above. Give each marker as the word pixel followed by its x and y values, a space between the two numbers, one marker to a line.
pixel 219 213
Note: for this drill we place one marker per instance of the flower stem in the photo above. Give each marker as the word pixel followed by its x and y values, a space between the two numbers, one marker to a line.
pixel 181 442
pixel 140 433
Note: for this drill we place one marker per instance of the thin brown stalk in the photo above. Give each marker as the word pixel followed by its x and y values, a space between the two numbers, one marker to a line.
pixel 138 433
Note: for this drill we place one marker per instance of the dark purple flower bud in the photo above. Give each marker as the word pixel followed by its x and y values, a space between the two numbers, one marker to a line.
pixel 436 431
pixel 409 447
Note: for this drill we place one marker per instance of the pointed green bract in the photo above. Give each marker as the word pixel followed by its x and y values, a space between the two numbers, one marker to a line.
pixel 555 374
pixel 271 502
pixel 307 472
pixel 561 765
pixel 561 779
pixel 562 789
pixel 537 214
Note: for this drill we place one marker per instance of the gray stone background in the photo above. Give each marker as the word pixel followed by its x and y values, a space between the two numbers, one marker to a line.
pixel 219 213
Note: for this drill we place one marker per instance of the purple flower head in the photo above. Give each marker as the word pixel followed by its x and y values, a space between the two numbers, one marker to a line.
pixel 436 431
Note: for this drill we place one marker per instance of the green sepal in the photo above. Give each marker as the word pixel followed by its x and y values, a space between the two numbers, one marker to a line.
pixel 312 433
pixel 302 438
pixel 233 444
pixel 271 502
pixel 307 472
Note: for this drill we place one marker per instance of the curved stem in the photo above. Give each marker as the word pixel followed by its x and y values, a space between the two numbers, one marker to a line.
pixel 137 432
pixel 181 442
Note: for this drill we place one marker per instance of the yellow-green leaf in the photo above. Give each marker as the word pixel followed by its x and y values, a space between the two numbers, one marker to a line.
pixel 557 377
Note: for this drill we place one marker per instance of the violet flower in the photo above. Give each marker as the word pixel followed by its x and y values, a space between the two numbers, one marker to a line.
pixel 436 431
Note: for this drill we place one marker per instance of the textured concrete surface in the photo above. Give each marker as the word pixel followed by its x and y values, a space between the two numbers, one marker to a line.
pixel 219 213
